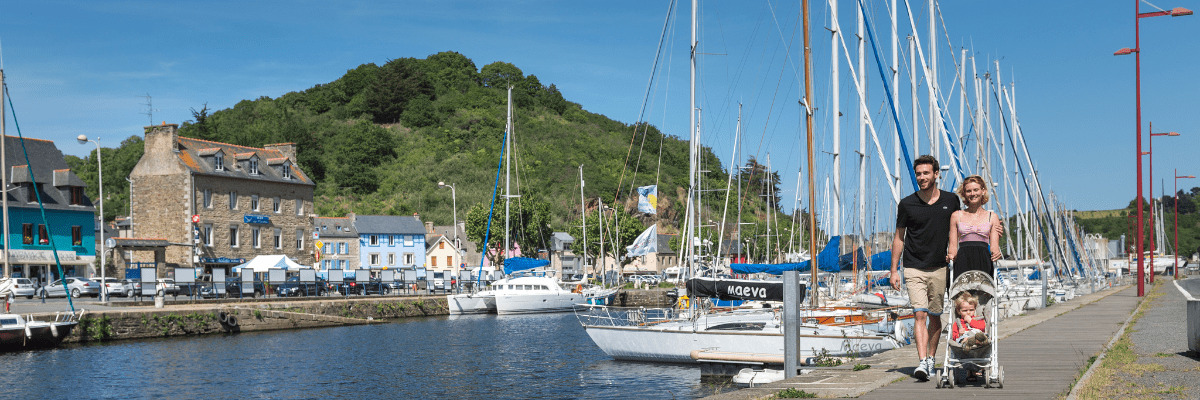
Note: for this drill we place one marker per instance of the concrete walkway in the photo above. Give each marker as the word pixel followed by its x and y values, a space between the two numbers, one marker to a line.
pixel 1042 352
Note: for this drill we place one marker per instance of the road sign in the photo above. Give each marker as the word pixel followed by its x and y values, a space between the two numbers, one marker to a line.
pixel 320 244
pixel 196 219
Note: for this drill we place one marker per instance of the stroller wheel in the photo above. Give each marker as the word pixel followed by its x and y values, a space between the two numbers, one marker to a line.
pixel 1000 378
pixel 937 379
pixel 987 378
pixel 950 381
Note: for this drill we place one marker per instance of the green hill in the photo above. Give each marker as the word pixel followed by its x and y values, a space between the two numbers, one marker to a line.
pixel 1114 223
pixel 380 138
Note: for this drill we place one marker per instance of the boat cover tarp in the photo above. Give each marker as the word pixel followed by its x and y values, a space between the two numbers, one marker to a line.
pixel 881 261
pixel 827 258
pixel 847 261
pixel 514 264
pixel 739 289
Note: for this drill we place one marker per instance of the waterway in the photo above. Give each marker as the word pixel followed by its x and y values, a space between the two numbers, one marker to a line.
pixel 547 356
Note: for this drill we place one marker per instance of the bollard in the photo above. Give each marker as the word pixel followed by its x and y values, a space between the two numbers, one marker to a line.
pixel 1193 326
pixel 159 300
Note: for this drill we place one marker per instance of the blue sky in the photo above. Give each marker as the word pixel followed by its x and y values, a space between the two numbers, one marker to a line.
pixel 85 67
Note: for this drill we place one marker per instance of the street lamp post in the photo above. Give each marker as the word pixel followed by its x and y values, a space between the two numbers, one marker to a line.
pixel 83 139
pixel 1150 152
pixel 454 206
pixel 1137 55
pixel 1177 178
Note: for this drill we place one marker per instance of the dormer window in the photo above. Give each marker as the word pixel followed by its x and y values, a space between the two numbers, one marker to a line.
pixel 287 171
pixel 219 162
pixel 76 195
pixel 253 166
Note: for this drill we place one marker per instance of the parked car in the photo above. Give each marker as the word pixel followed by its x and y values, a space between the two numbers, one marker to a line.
pixel 75 285
pixel 371 287
pixel 293 287
pixel 24 287
pixel 111 285
pixel 131 287
pixel 168 286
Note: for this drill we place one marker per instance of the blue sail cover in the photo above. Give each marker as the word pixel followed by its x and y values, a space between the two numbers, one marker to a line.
pixel 514 264
pixel 881 261
pixel 828 258
pixel 847 261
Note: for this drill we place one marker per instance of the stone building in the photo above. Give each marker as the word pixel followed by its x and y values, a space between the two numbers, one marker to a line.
pixel 218 204
pixel 339 246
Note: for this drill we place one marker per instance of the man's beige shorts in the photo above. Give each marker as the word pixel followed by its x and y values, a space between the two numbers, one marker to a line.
pixel 926 289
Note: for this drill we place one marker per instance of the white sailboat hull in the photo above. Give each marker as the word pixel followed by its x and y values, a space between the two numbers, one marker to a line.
pixel 529 303
pixel 677 345
pixel 474 303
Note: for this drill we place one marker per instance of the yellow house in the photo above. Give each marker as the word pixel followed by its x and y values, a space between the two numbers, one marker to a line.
pixel 442 255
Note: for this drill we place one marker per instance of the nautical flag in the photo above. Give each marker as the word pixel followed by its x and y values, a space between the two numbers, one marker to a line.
pixel 645 243
pixel 648 199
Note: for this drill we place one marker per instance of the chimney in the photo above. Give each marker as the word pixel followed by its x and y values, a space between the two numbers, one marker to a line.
pixel 162 138
pixel 288 150
pixel 429 227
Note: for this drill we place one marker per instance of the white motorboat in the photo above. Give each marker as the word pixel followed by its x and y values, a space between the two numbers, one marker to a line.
pixel 20 333
pixel 533 294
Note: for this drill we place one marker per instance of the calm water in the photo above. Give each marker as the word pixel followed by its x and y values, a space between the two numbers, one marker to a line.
pixel 528 357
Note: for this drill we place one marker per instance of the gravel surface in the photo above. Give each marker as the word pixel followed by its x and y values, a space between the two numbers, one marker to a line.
pixel 1160 337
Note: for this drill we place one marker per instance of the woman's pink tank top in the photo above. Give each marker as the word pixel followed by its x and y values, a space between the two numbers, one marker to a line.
pixel 975 233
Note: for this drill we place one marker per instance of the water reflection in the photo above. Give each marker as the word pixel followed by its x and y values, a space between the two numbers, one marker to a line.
pixel 527 357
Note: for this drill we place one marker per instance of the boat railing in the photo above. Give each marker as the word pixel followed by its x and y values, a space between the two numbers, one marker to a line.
pixel 598 315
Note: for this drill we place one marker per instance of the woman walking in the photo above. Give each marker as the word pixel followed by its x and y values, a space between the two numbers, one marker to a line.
pixel 974 232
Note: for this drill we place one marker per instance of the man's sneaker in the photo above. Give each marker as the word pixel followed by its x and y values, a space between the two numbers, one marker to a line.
pixel 932 367
pixel 922 371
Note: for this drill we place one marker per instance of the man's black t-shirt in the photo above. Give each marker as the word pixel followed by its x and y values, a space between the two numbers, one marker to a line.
pixel 927 229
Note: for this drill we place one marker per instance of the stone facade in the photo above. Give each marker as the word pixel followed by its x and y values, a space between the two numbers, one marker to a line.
pixel 177 178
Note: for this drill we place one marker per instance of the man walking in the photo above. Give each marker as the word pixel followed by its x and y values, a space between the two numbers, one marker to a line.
pixel 922 235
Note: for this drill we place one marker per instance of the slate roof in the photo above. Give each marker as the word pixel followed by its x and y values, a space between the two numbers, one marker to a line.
pixel 196 155
pixel 49 169
pixel 388 224
pixel 664 244
pixel 328 227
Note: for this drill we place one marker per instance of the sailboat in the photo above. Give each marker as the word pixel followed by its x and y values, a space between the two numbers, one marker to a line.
pixel 697 332
pixel 534 293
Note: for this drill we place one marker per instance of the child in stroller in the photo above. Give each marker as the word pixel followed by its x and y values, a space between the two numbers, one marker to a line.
pixel 968 329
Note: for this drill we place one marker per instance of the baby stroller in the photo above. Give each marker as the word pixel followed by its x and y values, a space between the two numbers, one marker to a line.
pixel 983 357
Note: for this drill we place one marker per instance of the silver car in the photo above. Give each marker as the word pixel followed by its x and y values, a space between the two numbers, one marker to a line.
pixel 75 285
pixel 113 285
pixel 24 287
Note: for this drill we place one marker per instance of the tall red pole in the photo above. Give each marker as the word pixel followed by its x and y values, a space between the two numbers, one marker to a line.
pixel 1137 48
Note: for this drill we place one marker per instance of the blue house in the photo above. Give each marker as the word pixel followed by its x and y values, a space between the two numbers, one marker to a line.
pixel 390 241
pixel 70 216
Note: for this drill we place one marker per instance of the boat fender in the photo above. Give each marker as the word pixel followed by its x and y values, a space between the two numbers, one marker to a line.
pixel 232 320
pixel 54 330
pixel 224 316
pixel 28 333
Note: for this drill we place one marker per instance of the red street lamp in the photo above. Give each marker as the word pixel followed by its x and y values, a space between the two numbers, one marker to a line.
pixel 1150 152
pixel 1137 55
pixel 1177 178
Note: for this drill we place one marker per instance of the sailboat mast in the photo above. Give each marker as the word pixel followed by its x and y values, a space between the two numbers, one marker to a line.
pixel 583 213
pixel 4 175
pixel 507 165
pixel 862 129
pixel 835 217
pixel 896 107
pixel 691 208
pixel 812 191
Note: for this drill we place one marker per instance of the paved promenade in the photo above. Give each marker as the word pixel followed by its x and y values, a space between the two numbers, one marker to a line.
pixel 1043 353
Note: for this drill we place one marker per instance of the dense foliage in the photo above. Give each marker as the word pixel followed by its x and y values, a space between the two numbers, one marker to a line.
pixel 379 139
